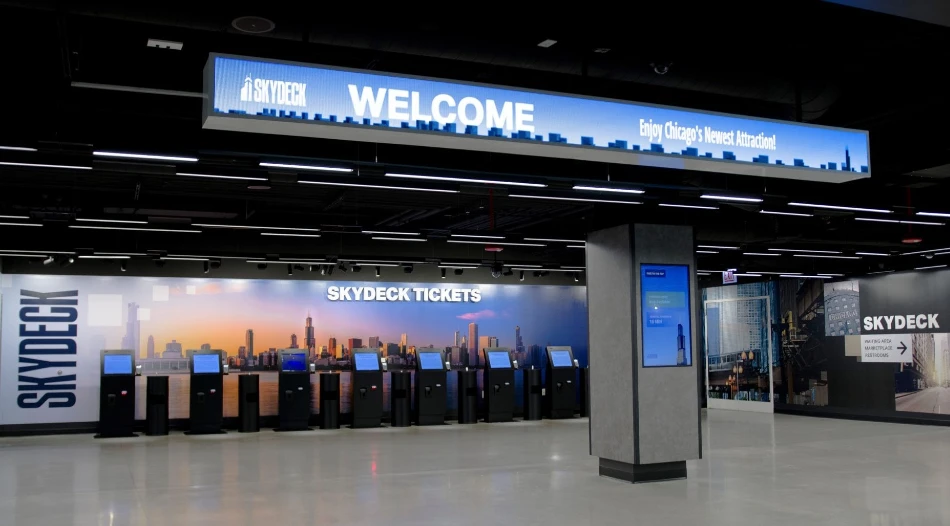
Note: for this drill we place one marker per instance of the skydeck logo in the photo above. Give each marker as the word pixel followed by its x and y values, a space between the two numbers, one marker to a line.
pixel 277 92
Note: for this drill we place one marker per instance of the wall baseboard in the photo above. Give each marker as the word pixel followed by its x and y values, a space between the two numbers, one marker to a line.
pixel 871 415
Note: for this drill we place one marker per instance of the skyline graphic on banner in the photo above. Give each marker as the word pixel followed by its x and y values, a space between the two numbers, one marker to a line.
pixel 254 87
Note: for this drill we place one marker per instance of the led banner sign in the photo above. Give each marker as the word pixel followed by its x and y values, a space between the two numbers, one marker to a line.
pixel 432 294
pixel 252 95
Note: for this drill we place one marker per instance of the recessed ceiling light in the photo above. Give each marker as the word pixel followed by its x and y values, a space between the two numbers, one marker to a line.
pixel 777 213
pixel 145 156
pixel 848 208
pixel 465 180
pixel 608 189
pixel 381 187
pixel 547 43
pixel 806 251
pixel 497 243
pixel 58 166
pixel 233 177
pixel 731 198
pixel 579 199
pixel 602 50
pixel 285 234
pixel 307 167
pixel 673 205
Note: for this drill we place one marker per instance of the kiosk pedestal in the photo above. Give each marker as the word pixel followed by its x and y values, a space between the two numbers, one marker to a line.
pixel 249 402
pixel 329 401
pixel 430 388
pixel 399 401
pixel 156 406
pixel 116 394
pixel 532 394
pixel 499 386
pixel 468 397
pixel 206 400
pixel 561 386
pixel 367 389
pixel 293 390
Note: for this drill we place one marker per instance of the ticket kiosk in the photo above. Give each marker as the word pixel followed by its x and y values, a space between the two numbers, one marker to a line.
pixel 117 373
pixel 431 380
pixel 367 382
pixel 499 385
pixel 206 401
pixel 560 383
pixel 293 389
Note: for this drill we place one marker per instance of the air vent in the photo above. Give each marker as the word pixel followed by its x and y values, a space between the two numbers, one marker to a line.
pixel 252 24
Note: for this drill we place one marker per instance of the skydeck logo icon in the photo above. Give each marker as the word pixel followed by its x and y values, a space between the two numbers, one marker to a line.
pixel 277 92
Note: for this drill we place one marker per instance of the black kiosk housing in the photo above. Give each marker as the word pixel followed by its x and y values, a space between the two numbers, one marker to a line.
pixel 499 385
pixel 431 380
pixel 367 395
pixel 116 393
pixel 206 401
pixel 293 389
pixel 560 383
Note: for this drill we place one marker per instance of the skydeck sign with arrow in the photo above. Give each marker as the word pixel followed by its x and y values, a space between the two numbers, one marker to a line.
pixel 890 348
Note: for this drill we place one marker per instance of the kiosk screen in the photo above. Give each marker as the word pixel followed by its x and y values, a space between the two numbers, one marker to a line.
pixel 366 361
pixel 206 364
pixel 294 362
pixel 117 364
pixel 430 360
pixel 499 360
pixel 561 359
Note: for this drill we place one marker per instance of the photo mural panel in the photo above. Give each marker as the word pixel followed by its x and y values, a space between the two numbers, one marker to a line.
pixel 53 328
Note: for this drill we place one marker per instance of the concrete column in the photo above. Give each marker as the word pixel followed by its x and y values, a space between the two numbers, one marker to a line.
pixel 644 422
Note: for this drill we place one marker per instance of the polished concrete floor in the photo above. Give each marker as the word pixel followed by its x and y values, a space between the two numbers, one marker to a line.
pixel 758 469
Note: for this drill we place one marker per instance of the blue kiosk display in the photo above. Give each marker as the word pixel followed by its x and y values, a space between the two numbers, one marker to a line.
pixel 430 388
pixel 293 388
pixel 499 385
pixel 560 383
pixel 206 400
pixel 117 372
pixel 367 388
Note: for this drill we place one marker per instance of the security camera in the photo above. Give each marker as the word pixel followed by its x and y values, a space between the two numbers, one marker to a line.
pixel 661 67
pixel 496 270
pixel 929 256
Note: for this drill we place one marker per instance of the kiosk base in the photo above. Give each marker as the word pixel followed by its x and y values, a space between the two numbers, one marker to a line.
pixel 126 435
pixel 637 473
pixel 210 432
pixel 279 430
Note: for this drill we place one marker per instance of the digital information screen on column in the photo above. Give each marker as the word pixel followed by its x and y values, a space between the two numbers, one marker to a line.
pixel 665 315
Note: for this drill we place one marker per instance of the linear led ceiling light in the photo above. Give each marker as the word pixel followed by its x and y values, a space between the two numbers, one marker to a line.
pixel 934 214
pixel 137 229
pixel 387 233
pixel 554 240
pixel 772 254
pixel 477 237
pixel 778 213
pixel 18 148
pixel 707 251
pixel 233 177
pixel 524 266
pixel 698 207
pixel 465 180
pixel 825 257
pixel 16 255
pixel 720 247
pixel 901 221
pixel 731 198
pixel 542 269
pixel 930 267
pixel 779 273
pixel 38 252
pixel 806 251
pixel 307 167
pixel 848 208
pixel 35 165
pixel 145 156
pixel 120 254
pixel 14 217
pixel 496 243
pixel 467 267
pixel 905 253
pixel 748 275
pixel 21 224
pixel 125 221
pixel 257 227
pixel 818 276
pixel 871 254
pixel 578 199
pixel 577 246
pixel 607 189
pixel 381 187
pixel 180 258
pixel 384 238
pixel 285 234
pixel 102 256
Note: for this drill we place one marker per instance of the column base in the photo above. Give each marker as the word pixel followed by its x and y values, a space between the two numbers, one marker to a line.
pixel 637 473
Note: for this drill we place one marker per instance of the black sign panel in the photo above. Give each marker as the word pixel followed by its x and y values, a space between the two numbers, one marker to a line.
pixel 906 303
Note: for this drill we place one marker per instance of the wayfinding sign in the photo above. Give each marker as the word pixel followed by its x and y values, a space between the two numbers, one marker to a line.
pixel 892 348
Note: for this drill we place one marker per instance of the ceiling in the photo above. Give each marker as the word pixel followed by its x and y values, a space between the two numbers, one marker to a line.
pixel 810 61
